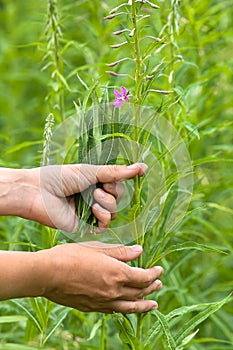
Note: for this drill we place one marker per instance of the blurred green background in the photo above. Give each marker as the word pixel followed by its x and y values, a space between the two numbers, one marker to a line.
pixel 200 54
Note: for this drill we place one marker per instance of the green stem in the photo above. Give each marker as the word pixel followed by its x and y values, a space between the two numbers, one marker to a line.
pixel 137 53
pixel 102 336
pixel 54 20
pixel 137 199
pixel 136 112
pixel 139 328
pixel 59 68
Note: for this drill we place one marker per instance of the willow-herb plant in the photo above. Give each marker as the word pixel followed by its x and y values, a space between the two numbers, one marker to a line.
pixel 104 121
pixel 54 62
pixel 185 48
pixel 139 73
pixel 142 78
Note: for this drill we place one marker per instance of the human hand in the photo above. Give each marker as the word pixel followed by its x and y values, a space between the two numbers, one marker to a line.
pixel 49 196
pixel 95 278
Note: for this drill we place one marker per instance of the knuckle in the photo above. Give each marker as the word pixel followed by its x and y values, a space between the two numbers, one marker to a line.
pixel 132 308
pixel 147 281
pixel 112 294
pixel 149 278
pixel 123 250
pixel 114 169
pixel 106 220
pixel 111 200
pixel 120 275
pixel 103 294
pixel 111 291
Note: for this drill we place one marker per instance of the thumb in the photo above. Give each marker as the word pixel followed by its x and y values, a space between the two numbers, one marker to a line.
pixel 92 174
pixel 123 253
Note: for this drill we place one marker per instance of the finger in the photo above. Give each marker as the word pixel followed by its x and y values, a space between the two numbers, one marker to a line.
pixel 142 278
pixel 137 293
pixel 106 201
pixel 123 253
pixel 114 173
pixel 115 188
pixel 131 307
pixel 91 174
pixel 103 216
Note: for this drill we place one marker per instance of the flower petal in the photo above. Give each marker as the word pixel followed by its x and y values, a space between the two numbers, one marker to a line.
pixel 127 98
pixel 123 90
pixel 118 103
pixel 117 94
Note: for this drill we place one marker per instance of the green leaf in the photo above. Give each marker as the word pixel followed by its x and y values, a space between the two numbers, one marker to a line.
pixel 12 318
pixel 192 128
pixel 82 317
pixel 211 340
pixel 90 92
pixel 62 80
pixel 220 207
pixel 185 246
pixel 180 312
pixel 22 145
pixel 187 340
pixel 153 332
pixel 12 346
pixel 59 320
pixel 95 329
pixel 167 336
pixel 134 211
pixel 28 313
pixel 117 134
pixel 200 317
pixel 126 332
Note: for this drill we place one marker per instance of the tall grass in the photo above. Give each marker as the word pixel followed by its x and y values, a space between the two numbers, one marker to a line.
pixel 61 59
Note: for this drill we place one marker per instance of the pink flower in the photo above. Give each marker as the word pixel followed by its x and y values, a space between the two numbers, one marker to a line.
pixel 121 97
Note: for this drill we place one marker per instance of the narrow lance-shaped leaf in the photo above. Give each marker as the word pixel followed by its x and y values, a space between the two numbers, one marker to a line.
pixel 185 246
pixel 12 318
pixel 126 332
pixel 179 313
pixel 199 318
pixel 168 338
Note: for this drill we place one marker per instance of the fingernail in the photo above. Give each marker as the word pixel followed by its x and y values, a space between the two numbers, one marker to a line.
pixel 144 167
pixel 159 269
pixel 136 248
pixel 159 284
pixel 134 166
pixel 154 307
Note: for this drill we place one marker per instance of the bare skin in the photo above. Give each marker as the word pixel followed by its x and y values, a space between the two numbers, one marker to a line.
pixel 86 276
pixel 46 194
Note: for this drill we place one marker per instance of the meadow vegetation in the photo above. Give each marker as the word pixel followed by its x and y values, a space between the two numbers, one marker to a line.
pixel 55 58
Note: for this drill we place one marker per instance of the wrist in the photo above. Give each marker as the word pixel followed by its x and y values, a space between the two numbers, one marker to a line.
pixel 16 192
pixel 21 275
pixel 45 272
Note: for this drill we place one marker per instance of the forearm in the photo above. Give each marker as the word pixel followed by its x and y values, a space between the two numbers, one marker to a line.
pixel 15 188
pixel 21 274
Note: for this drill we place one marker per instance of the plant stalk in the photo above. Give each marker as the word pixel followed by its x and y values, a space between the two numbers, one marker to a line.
pixel 102 336
pixel 137 98
pixel 53 43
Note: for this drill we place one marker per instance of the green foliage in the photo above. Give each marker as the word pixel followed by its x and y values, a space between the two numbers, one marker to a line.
pixel 54 54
